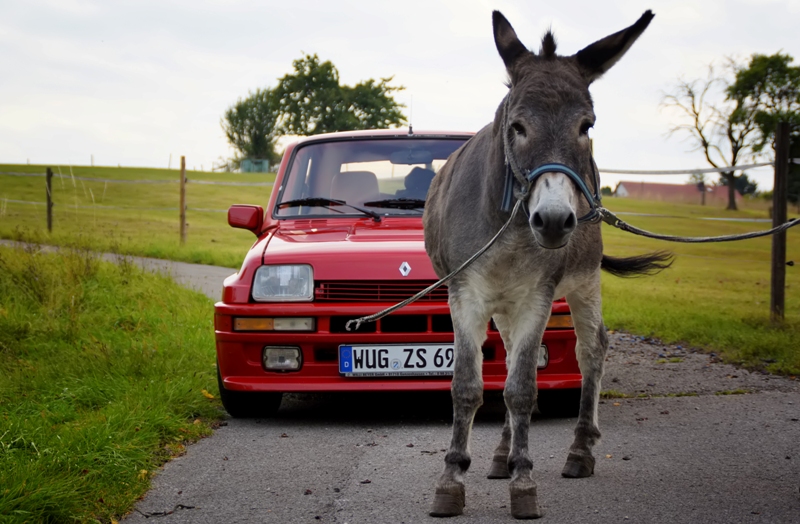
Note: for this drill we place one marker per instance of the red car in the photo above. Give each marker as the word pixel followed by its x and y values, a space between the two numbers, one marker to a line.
pixel 342 238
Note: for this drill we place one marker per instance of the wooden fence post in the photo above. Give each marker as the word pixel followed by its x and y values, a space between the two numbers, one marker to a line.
pixel 779 194
pixel 183 200
pixel 49 185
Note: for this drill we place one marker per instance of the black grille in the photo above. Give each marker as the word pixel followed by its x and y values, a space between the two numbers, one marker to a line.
pixel 377 291
pixel 338 325
pixel 442 324
pixel 404 324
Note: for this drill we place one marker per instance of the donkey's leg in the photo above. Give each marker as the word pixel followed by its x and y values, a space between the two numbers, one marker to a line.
pixel 469 323
pixel 591 353
pixel 499 467
pixel 520 397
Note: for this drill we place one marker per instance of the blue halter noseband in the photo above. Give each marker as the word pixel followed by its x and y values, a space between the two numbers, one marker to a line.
pixel 527 180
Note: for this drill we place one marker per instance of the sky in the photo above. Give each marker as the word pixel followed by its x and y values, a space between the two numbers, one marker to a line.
pixel 137 83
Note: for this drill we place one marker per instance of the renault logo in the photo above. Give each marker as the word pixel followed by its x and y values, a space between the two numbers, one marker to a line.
pixel 405 269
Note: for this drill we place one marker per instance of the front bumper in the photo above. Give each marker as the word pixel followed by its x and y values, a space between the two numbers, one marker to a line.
pixel 239 353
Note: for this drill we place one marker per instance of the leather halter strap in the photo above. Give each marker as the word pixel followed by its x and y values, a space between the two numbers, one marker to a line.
pixel 527 179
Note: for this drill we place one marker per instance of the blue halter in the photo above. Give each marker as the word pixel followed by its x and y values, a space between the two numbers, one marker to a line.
pixel 528 179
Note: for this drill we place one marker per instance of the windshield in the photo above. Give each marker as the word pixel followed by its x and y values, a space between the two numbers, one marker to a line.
pixel 386 176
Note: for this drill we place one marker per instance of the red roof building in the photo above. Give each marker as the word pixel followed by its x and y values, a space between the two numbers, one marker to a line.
pixel 683 193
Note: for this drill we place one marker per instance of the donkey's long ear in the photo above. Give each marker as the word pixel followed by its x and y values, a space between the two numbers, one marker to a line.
pixel 508 45
pixel 598 57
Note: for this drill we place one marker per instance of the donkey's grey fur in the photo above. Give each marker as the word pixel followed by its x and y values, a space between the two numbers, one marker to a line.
pixel 534 262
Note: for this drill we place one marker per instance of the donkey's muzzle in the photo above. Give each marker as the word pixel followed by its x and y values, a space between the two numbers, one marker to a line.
pixel 552 227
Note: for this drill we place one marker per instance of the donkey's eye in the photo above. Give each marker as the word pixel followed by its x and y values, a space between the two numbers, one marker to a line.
pixel 585 127
pixel 518 129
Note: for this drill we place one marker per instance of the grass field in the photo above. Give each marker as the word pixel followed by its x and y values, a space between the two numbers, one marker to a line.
pixel 105 373
pixel 715 295
pixel 148 222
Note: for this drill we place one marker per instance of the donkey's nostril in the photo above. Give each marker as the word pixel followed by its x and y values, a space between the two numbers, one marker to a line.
pixel 538 223
pixel 570 222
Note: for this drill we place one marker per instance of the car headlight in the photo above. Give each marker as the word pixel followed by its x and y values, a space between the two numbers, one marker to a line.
pixel 293 283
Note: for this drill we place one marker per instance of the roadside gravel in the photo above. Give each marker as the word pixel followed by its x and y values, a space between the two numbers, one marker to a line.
pixel 639 366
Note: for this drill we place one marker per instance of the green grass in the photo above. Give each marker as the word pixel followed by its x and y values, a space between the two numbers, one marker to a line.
pixel 613 393
pixel 105 373
pixel 146 231
pixel 673 360
pixel 733 392
pixel 715 296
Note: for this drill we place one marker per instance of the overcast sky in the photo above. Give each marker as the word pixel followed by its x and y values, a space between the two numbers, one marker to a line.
pixel 135 82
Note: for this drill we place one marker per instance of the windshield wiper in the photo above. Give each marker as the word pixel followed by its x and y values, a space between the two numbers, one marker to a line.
pixel 398 203
pixel 327 202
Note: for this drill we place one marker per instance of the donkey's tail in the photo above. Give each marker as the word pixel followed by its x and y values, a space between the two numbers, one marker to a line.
pixel 648 264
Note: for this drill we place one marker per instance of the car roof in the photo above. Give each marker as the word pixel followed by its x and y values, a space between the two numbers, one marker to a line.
pixel 385 133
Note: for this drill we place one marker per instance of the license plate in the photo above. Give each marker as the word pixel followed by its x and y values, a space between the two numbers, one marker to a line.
pixel 396 360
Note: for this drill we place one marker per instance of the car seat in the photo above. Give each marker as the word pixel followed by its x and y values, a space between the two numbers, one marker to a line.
pixel 355 187
pixel 417 182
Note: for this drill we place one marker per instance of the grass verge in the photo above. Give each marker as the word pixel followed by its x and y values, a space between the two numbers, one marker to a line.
pixel 105 373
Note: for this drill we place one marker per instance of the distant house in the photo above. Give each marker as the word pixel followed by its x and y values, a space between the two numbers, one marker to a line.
pixel 683 193
pixel 254 165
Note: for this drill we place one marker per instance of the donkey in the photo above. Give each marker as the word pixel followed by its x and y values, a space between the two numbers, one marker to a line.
pixel 545 253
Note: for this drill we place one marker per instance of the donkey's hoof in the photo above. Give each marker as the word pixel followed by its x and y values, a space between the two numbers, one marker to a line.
pixel 525 504
pixel 499 469
pixel 448 503
pixel 578 466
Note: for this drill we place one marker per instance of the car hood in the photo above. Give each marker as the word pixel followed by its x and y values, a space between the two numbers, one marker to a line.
pixel 353 252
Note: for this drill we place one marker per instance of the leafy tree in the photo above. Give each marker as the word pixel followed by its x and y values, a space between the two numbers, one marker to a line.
pixel 699 181
pixel 769 90
pixel 724 136
pixel 250 126
pixel 312 101
pixel 308 101
pixel 744 185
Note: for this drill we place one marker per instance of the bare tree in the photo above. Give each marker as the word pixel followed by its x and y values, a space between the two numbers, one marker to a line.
pixel 714 127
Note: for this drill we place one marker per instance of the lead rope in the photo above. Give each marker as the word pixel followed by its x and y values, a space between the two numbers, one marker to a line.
pixel 379 315
pixel 613 220
pixel 607 216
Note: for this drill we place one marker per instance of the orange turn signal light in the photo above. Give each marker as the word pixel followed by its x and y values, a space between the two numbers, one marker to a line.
pixel 560 322
pixel 253 324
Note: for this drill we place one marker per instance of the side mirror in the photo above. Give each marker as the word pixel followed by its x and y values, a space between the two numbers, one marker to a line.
pixel 246 217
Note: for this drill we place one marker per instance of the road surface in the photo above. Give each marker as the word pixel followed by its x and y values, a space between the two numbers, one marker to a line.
pixel 350 458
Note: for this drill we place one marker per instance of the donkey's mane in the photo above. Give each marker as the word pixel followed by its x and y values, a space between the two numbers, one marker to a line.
pixel 548 50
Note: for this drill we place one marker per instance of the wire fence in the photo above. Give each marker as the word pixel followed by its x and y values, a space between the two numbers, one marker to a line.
pixel 697 171
pixel 5 201
pixel 779 213
pixel 189 181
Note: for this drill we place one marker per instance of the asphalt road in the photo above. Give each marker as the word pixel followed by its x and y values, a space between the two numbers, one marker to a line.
pixel 349 458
